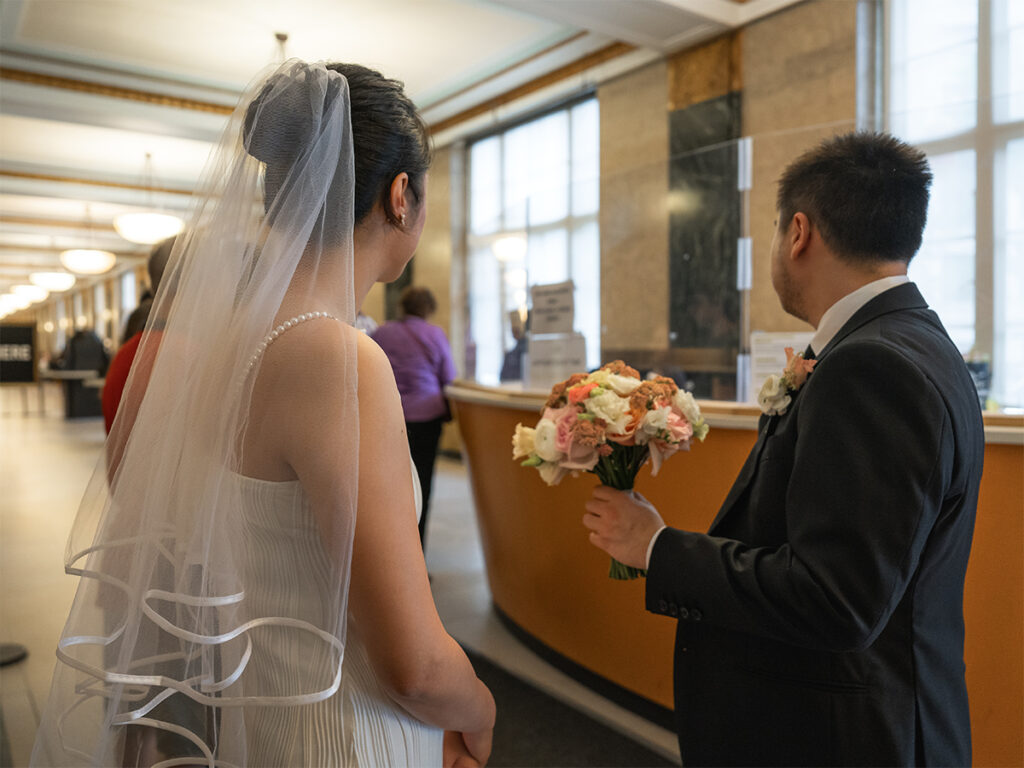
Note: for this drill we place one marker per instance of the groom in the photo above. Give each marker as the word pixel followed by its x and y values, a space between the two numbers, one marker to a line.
pixel 821 617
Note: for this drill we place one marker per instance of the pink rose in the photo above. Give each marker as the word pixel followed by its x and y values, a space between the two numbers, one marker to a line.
pixel 679 429
pixel 660 450
pixel 580 456
pixel 564 419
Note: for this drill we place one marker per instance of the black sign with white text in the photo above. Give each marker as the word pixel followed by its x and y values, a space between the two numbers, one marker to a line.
pixel 17 353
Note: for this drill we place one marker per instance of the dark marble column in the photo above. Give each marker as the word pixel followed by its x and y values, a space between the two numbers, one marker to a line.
pixel 704 226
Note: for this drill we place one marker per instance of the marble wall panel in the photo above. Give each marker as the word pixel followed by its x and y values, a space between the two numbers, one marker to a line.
pixel 634 213
pixel 799 86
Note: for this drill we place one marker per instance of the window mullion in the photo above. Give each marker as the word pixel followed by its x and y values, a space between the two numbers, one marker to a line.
pixel 984 203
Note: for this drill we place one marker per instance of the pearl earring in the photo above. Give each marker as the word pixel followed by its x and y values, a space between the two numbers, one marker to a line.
pixel 402 219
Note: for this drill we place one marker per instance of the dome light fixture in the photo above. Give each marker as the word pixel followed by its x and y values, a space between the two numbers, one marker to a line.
pixel 147 227
pixel 152 226
pixel 11 303
pixel 55 282
pixel 88 261
pixel 31 292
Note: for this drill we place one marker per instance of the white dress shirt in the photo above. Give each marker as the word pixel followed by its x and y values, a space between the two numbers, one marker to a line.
pixel 835 318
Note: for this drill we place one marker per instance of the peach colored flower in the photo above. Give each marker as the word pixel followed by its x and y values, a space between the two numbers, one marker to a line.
pixel 581 392
pixel 558 398
pixel 797 369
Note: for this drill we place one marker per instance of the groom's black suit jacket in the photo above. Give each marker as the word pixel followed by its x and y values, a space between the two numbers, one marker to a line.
pixel 821 617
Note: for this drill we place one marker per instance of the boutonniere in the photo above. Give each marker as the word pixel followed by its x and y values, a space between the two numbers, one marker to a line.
pixel 776 392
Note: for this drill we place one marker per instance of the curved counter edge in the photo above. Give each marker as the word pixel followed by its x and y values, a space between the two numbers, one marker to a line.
pixel 1000 428
pixel 551 585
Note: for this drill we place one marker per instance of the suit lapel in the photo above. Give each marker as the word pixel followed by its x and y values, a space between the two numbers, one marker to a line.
pixel 766 426
pixel 902 297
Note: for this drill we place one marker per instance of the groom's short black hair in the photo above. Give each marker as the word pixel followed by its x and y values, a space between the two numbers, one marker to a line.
pixel 867 193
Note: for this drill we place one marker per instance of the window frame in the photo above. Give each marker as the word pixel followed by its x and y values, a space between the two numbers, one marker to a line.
pixel 569 224
pixel 988 140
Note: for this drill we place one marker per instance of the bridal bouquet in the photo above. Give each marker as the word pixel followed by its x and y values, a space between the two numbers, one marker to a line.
pixel 609 422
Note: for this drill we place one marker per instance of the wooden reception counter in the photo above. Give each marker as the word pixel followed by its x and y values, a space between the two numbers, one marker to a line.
pixel 551 586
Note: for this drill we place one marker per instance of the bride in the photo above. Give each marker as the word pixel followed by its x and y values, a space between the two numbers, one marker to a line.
pixel 253 589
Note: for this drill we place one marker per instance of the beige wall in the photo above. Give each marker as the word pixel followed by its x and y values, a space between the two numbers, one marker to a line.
pixel 433 260
pixel 431 263
pixel 634 215
pixel 796 71
pixel 799 86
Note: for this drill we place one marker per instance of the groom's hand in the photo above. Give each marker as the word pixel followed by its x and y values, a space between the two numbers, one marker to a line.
pixel 622 524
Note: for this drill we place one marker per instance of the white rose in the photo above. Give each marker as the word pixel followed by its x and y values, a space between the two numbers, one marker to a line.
pixel 774 396
pixel 622 385
pixel 544 441
pixel 687 405
pixel 522 441
pixel 551 474
pixel 612 408
pixel 653 422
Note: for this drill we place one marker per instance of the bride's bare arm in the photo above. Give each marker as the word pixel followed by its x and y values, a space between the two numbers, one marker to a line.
pixel 420 665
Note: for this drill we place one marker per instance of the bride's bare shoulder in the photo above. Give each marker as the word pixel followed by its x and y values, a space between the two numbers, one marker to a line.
pixel 321 350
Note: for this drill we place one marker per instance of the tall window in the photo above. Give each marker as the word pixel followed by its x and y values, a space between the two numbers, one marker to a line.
pixel 956 90
pixel 533 204
pixel 99 311
pixel 128 298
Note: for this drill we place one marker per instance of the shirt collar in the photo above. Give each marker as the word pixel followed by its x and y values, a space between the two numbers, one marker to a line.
pixel 835 317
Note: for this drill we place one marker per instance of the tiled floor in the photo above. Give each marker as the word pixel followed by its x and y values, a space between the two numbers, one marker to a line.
pixel 45 464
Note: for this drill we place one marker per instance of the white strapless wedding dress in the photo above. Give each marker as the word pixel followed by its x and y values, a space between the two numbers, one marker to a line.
pixel 288 575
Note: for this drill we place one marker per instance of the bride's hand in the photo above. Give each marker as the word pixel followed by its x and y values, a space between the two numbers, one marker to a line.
pixel 456 753
pixel 479 744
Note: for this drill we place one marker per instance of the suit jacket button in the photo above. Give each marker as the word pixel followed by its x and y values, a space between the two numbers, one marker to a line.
pixel 683 613
pixel 696 615
pixel 663 606
pixel 673 609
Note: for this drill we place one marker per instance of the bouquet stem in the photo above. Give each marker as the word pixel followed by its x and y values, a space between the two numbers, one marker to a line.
pixel 618 471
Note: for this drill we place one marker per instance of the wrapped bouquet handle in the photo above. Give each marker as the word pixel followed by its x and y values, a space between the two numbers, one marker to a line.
pixel 609 422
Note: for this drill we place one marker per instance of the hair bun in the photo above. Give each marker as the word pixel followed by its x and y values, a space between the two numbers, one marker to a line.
pixel 278 121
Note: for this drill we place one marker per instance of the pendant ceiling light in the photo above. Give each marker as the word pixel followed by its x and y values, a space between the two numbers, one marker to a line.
pixel 11 303
pixel 88 261
pixel 52 281
pixel 152 226
pixel 31 292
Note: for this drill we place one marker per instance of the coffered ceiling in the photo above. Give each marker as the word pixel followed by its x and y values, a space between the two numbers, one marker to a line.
pixel 88 88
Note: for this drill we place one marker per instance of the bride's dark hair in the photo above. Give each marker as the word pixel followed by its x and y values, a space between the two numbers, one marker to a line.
pixel 389 136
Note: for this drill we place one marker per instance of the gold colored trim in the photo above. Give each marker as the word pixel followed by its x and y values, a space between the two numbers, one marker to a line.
pixel 32 222
pixel 112 91
pixel 707 71
pixel 93 182
pixel 56 252
pixel 573 68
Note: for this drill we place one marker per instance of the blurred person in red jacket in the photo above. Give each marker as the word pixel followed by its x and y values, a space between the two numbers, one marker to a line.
pixel 117 373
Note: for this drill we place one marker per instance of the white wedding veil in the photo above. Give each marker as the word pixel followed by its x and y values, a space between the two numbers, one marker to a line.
pixel 156 662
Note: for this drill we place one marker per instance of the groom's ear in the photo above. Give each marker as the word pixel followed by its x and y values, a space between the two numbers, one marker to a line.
pixel 799 235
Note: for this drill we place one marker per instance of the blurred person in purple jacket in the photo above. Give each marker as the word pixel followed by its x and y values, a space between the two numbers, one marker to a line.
pixel 422 361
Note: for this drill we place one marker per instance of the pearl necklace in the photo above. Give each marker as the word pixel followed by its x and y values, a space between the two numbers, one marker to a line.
pixel 287 325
